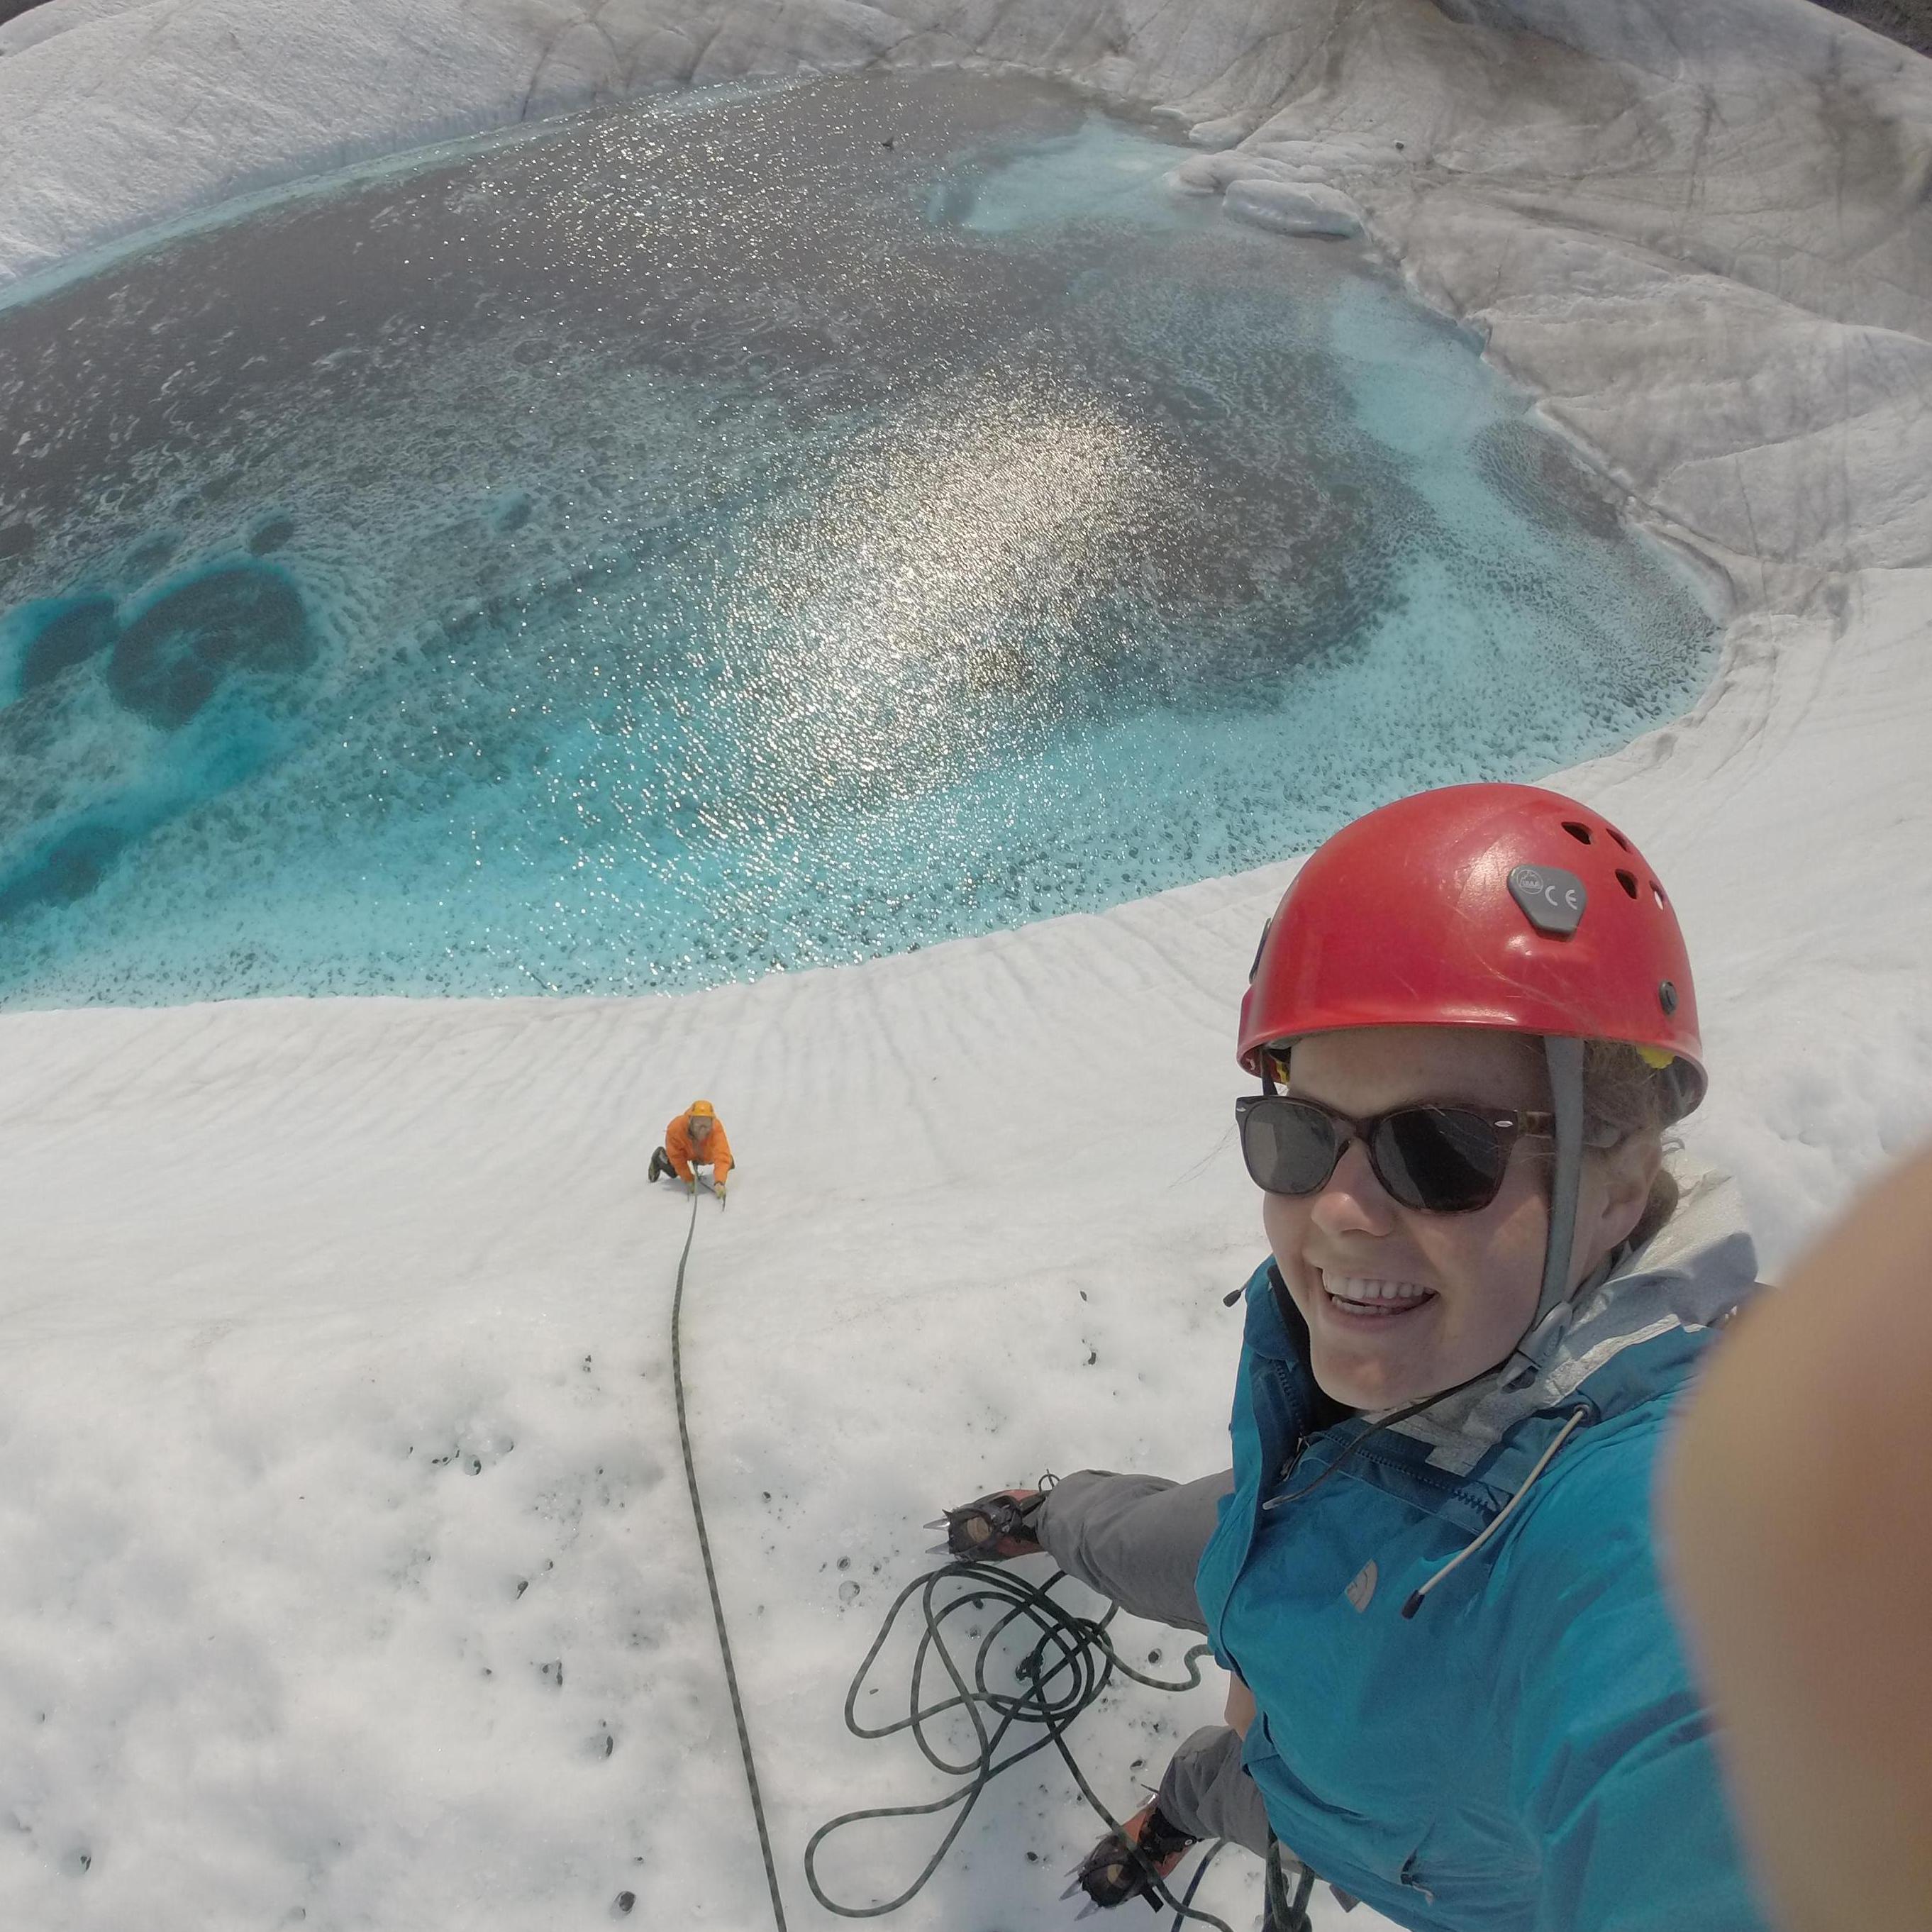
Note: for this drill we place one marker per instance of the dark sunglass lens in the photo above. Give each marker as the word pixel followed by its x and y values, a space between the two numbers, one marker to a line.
pixel 1289 1147
pixel 1449 1160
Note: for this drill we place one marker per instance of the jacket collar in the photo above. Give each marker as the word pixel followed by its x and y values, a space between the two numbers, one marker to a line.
pixel 1690 1276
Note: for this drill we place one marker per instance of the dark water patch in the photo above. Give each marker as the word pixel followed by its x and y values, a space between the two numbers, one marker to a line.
pixel 1537 474
pixel 55 635
pixel 151 554
pixel 218 488
pixel 100 784
pixel 270 534
pixel 512 514
pixel 69 868
pixel 230 620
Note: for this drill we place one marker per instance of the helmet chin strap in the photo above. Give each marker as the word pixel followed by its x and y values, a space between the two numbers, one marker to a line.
pixel 1565 1060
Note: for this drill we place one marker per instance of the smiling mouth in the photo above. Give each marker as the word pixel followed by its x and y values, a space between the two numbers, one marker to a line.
pixel 1367 1297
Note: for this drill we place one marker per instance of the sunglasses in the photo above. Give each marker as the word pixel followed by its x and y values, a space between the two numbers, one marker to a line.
pixel 1440 1158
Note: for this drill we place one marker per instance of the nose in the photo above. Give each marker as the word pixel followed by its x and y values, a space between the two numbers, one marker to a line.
pixel 1354 1201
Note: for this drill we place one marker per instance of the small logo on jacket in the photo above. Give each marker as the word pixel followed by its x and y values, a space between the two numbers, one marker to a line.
pixel 1359 1592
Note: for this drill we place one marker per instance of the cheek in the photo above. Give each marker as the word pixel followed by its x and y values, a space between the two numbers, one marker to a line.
pixel 1284 1222
pixel 1496 1257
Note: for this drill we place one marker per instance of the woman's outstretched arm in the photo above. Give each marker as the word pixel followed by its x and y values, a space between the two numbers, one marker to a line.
pixel 1798 1514
pixel 1137 1540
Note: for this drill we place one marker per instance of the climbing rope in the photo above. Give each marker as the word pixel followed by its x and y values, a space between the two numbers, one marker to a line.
pixel 711 1574
pixel 1070 1663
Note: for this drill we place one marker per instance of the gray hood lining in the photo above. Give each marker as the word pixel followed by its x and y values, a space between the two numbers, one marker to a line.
pixel 1696 1269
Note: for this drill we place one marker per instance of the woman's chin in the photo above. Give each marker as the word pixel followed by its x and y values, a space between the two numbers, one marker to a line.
pixel 1365 1385
pixel 1372 1363
pixel 1371 1377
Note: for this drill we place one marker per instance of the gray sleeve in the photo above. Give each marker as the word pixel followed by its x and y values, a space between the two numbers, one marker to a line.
pixel 1208 1794
pixel 1137 1540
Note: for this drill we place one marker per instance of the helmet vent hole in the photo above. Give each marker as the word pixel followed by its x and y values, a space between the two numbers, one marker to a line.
pixel 1581 833
pixel 1628 880
pixel 1657 893
pixel 1618 836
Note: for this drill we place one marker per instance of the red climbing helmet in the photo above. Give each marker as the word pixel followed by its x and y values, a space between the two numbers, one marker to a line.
pixel 1481 905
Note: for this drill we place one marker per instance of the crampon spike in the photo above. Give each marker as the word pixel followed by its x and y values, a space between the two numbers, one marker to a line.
pixel 995 1528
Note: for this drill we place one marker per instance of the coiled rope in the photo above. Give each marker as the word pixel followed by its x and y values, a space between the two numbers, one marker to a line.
pixel 1070 1663
pixel 711 1574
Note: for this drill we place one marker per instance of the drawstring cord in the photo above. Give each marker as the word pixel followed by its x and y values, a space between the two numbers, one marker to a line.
pixel 1577 1417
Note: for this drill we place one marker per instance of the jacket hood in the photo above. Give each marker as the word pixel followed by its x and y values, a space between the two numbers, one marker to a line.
pixel 1690 1275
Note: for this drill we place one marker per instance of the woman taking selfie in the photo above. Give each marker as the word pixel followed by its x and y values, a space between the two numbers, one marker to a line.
pixel 1458 1694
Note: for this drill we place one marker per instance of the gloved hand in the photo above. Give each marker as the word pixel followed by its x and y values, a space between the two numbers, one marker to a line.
pixel 1125 1863
pixel 718 1188
pixel 691 1185
pixel 994 1529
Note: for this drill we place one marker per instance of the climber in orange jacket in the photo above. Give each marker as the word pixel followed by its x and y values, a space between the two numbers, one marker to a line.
pixel 695 1139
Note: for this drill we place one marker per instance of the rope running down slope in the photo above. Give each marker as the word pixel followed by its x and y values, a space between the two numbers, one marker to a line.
pixel 711 1574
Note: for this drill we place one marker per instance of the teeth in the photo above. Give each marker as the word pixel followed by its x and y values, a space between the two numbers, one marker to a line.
pixel 1367 1288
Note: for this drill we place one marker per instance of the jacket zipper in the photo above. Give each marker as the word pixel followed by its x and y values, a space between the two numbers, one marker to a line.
pixel 1285 1388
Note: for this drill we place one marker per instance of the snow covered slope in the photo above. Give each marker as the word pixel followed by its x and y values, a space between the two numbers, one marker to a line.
pixel 345 1576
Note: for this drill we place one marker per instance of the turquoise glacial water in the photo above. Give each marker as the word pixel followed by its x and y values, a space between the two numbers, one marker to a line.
pixel 745 533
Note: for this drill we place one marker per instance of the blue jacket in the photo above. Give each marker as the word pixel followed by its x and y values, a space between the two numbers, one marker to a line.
pixel 1528 1751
